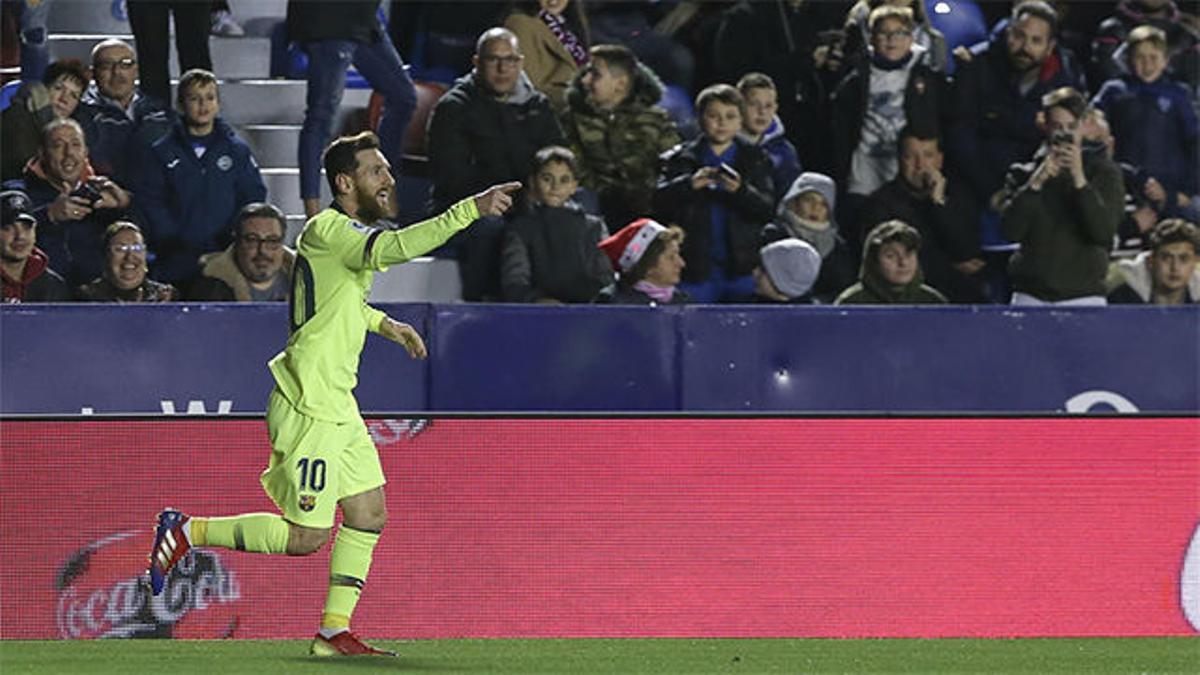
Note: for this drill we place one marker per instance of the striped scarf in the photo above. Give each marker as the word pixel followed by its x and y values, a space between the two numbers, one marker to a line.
pixel 559 27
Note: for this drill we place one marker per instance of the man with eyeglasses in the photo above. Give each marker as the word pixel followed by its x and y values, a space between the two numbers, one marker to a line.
pixel 121 121
pixel 486 130
pixel 256 267
pixel 193 181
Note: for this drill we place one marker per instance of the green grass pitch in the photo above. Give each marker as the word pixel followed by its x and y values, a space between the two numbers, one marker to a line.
pixel 627 656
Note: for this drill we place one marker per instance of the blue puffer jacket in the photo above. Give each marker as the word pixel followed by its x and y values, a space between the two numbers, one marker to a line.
pixel 1155 127
pixel 188 204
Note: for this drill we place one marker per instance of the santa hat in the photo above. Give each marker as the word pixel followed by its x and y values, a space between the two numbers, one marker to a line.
pixel 629 244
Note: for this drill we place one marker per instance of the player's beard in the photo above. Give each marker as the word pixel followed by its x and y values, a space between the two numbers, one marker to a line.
pixel 369 208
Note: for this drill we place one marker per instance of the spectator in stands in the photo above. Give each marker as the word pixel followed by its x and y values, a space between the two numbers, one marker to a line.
pixel 1166 274
pixel 153 22
pixel 764 128
pixel 942 210
pixel 551 253
pixel 1063 208
pixel 554 38
pixel 806 213
pixel 193 181
pixel 33 106
pixel 718 189
pixel 783 40
pixel 336 35
pixel 256 267
pixel 618 132
pixel 120 122
pixel 859 35
pixel 24 268
pixel 73 204
pixel 788 271
pixel 124 278
pixel 484 131
pixel 1110 57
pixel 1152 117
pixel 891 273
pixel 646 256
pixel 877 99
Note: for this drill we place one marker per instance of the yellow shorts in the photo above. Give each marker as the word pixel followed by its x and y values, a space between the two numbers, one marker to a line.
pixel 315 464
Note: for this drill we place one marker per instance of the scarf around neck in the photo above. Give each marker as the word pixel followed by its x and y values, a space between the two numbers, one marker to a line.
pixel 662 294
pixel 569 41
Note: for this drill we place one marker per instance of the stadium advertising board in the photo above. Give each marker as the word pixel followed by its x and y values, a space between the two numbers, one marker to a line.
pixel 632 527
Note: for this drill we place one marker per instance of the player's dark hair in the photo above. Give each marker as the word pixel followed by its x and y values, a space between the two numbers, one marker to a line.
pixel 341 157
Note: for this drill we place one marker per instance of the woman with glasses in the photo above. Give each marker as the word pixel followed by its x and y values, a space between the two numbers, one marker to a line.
pixel 124 278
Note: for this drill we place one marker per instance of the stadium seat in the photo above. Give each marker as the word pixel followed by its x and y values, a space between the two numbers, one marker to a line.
pixel 961 21
pixel 428 94
pixel 7 92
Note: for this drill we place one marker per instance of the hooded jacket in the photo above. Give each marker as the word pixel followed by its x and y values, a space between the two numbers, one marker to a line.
pixel 1135 285
pixel 221 280
pixel 785 163
pixel 839 263
pixel 872 289
pixel 189 203
pixel 618 150
pixel 1156 129
pixel 38 283
pixel 477 140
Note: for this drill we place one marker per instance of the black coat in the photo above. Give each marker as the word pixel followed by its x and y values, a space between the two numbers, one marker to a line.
pixel 313 20
pixel 924 103
pixel 553 253
pixel 476 141
pixel 750 207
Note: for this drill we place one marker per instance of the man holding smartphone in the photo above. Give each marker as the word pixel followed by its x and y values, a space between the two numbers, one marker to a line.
pixel 1063 208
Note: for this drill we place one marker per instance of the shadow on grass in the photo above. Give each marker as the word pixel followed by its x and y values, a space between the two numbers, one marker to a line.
pixel 382 663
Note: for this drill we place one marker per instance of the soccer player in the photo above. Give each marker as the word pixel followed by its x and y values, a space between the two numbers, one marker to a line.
pixel 322 455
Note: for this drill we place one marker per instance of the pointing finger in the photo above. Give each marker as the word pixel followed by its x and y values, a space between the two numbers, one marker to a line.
pixel 508 188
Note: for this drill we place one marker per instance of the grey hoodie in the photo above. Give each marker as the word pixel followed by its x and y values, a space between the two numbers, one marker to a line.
pixel 822 239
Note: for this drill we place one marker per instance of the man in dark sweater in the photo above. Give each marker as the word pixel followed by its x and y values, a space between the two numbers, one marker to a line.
pixel 1063 208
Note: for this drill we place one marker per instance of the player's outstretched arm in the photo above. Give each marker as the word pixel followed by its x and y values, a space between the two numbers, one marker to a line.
pixel 404 334
pixel 497 199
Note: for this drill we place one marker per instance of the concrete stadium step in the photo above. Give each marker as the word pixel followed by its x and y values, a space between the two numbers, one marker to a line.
pixel 98 17
pixel 419 280
pixel 283 189
pixel 233 58
pixel 274 145
pixel 250 102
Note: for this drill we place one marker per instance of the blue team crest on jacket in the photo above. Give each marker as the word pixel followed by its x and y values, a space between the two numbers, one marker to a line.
pixel 1164 104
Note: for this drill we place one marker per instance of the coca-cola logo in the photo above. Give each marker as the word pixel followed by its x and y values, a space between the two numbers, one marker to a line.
pixel 102 593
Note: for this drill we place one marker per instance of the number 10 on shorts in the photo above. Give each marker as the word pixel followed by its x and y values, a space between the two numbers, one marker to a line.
pixel 312 476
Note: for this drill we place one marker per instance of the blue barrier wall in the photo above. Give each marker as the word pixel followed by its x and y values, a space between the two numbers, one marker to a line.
pixel 68 359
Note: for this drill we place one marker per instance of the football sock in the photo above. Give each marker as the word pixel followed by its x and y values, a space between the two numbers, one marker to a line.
pixel 255 532
pixel 348 567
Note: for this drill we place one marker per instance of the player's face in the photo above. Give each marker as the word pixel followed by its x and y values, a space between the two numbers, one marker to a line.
pixel 17 239
pixel 897 264
pixel 555 183
pixel 201 106
pixel 260 249
pixel 374 187
pixel 1148 61
pixel 720 122
pixel 500 65
pixel 64 154
pixel 126 260
pixel 668 269
pixel 1172 266
pixel 761 105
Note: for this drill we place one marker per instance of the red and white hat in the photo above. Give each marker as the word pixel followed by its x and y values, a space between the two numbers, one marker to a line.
pixel 629 244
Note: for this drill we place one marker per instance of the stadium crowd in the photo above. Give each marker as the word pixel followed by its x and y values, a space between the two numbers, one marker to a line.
pixel 787 151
